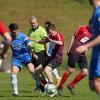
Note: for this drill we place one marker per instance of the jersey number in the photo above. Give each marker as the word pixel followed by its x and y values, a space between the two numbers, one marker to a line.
pixel 85 39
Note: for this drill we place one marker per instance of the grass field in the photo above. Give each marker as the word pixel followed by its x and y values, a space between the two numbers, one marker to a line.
pixel 26 86
pixel 67 16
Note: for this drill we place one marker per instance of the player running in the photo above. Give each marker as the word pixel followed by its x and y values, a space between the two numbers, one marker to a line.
pixel 80 37
pixel 20 55
pixel 51 47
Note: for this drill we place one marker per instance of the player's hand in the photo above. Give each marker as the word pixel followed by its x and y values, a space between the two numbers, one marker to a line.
pixel 29 38
pixel 81 49
pixel 35 56
pixel 48 54
pixel 47 38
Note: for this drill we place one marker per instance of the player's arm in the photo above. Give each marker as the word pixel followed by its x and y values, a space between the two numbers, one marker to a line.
pixel 4 32
pixel 93 42
pixel 32 51
pixel 47 49
pixel 59 42
pixel 70 44
pixel 88 45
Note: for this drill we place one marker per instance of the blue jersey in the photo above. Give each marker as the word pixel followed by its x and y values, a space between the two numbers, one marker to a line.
pixel 95 29
pixel 19 44
pixel 95 58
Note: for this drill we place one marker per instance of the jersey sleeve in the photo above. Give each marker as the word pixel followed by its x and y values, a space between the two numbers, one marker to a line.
pixel 98 20
pixel 3 28
pixel 26 40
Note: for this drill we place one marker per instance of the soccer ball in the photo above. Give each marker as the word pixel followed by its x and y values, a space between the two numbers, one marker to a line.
pixel 50 88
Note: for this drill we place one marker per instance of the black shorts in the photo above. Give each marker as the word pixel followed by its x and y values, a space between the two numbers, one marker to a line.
pixel 53 64
pixel 41 59
pixel 81 60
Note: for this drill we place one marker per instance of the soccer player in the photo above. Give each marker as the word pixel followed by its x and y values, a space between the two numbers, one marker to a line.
pixel 85 47
pixel 57 53
pixel 51 47
pixel 36 32
pixel 80 37
pixel 4 46
pixel 94 72
pixel 4 32
pixel 20 55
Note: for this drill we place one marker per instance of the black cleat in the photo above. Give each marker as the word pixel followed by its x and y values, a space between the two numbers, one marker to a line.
pixel 60 91
pixel 71 89
pixel 15 95
pixel 42 88
pixel 36 89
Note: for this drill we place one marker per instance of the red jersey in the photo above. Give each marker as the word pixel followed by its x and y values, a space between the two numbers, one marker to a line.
pixel 58 49
pixel 3 29
pixel 82 35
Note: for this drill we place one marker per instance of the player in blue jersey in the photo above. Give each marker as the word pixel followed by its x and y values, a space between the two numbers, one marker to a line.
pixel 94 74
pixel 20 55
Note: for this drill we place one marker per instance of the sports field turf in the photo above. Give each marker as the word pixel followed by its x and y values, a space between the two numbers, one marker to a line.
pixel 67 16
pixel 26 86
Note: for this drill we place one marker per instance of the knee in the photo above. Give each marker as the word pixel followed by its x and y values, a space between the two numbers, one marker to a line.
pixel 31 68
pixel 85 72
pixel 48 70
pixel 70 70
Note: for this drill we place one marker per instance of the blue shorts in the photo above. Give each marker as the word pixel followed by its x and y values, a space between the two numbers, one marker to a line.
pixel 20 60
pixel 94 69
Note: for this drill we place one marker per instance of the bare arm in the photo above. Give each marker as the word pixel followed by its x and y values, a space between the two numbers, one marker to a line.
pixel 93 42
pixel 88 45
pixel 70 44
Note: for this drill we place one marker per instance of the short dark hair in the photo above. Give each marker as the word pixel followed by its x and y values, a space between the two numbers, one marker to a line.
pixel 52 27
pixel 90 2
pixel 47 24
pixel 13 26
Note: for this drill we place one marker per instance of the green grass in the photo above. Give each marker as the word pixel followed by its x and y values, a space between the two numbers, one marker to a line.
pixel 67 16
pixel 26 86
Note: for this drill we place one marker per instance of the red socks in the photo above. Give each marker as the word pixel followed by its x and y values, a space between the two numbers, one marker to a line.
pixel 64 79
pixel 78 78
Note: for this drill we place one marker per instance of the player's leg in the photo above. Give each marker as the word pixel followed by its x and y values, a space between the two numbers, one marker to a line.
pixel 55 72
pixel 72 59
pixel 15 68
pixel 49 68
pixel 84 72
pixel 38 64
pixel 94 75
pixel 1 61
pixel 14 72
pixel 48 71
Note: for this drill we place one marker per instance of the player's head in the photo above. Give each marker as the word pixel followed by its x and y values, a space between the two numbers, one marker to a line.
pixel 34 22
pixel 95 3
pixel 52 29
pixel 13 27
pixel 47 25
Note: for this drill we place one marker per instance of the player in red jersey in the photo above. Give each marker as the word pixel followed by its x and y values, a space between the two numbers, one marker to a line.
pixel 4 32
pixel 57 53
pixel 80 37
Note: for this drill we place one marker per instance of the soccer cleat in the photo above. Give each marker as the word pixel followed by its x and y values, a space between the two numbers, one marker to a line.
pixel 71 89
pixel 43 93
pixel 36 89
pixel 15 95
pixel 60 91
pixel 52 95
pixel 58 81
